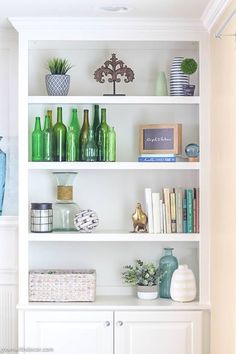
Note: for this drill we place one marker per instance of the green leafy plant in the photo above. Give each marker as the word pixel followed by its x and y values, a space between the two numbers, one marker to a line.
pixel 58 66
pixel 144 274
pixel 189 66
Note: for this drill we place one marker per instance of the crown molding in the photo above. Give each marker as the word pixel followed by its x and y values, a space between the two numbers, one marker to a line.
pixel 213 11
pixel 75 23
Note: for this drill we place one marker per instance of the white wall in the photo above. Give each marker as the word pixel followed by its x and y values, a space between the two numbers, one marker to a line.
pixel 8 222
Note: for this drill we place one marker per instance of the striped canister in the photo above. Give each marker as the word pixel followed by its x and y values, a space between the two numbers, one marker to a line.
pixel 177 78
pixel 183 284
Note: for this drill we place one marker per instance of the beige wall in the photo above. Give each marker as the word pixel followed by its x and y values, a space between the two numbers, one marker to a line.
pixel 223 217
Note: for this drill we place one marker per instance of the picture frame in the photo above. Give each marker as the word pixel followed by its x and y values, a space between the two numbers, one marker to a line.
pixel 161 139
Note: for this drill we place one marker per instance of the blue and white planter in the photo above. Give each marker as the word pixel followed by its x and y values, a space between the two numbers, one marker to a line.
pixel 177 78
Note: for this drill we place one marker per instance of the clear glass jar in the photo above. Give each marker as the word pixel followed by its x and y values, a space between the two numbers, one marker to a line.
pixel 65 208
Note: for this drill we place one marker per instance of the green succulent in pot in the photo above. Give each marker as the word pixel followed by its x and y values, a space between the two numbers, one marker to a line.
pixel 146 276
pixel 189 66
pixel 58 81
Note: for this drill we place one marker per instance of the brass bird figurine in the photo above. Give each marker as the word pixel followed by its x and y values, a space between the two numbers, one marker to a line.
pixel 140 219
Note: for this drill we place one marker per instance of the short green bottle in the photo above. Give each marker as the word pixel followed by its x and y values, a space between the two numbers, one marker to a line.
pixel 47 140
pixel 91 150
pixel 37 141
pixel 84 135
pixel 74 123
pixel 71 145
pixel 59 138
pixel 49 114
pixel 96 119
pixel 101 137
pixel 111 141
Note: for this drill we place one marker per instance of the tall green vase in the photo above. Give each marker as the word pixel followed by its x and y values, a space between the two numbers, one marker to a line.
pixel 161 85
pixel 168 264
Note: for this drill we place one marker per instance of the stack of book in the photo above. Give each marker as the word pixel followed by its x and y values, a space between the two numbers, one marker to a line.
pixel 173 210
pixel 157 158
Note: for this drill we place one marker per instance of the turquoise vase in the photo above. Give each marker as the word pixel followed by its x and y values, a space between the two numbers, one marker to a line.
pixel 168 264
pixel 161 85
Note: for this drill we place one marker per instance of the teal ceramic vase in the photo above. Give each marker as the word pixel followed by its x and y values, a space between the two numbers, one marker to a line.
pixel 161 85
pixel 168 264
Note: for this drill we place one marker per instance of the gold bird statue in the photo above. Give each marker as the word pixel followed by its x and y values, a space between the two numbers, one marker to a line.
pixel 140 219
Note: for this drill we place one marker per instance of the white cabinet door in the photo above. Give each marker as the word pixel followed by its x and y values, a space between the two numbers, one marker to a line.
pixel 70 332
pixel 157 332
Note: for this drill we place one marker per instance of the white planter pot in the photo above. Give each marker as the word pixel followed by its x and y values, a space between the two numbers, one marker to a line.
pixel 183 284
pixel 57 85
pixel 147 292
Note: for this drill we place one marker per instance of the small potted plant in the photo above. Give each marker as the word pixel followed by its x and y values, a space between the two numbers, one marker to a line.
pixel 146 276
pixel 189 67
pixel 58 82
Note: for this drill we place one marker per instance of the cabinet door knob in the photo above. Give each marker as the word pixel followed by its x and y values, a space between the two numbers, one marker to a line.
pixel 119 323
pixel 107 323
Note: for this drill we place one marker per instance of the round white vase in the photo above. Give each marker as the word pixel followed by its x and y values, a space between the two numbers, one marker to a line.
pixel 147 292
pixel 183 284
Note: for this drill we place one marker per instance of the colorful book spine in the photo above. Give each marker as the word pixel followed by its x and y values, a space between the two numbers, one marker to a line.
pixel 179 210
pixel 156 159
pixel 156 212
pixel 148 199
pixel 173 212
pixel 194 210
pixel 198 210
pixel 189 210
pixel 167 207
pixel 185 212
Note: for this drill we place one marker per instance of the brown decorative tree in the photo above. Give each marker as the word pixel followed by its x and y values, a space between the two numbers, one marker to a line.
pixel 114 68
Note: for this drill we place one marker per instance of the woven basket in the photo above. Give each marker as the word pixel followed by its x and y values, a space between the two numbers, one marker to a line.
pixel 62 285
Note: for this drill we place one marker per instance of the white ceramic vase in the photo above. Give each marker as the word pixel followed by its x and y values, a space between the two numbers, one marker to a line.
pixel 147 292
pixel 183 284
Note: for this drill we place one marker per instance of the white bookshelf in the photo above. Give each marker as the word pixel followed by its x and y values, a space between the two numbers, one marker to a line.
pixel 112 189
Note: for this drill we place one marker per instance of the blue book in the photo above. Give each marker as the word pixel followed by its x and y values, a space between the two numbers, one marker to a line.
pixel 156 159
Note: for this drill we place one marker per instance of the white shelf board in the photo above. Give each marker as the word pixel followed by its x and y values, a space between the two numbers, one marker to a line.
pixel 8 220
pixel 118 303
pixel 113 166
pixel 114 100
pixel 111 236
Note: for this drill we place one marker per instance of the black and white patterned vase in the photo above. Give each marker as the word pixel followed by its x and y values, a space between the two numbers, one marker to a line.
pixel 86 220
pixel 57 85
pixel 177 78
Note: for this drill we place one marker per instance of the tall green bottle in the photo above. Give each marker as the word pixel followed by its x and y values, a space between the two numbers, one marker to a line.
pixel 101 137
pixel 47 140
pixel 49 114
pixel 59 138
pixel 91 150
pixel 71 144
pixel 74 123
pixel 37 141
pixel 111 141
pixel 96 119
pixel 84 135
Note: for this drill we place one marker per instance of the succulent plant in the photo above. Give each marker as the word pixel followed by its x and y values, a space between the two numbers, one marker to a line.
pixel 144 274
pixel 189 66
pixel 58 66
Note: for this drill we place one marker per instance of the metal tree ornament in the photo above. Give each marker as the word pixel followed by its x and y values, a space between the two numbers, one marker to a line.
pixel 114 67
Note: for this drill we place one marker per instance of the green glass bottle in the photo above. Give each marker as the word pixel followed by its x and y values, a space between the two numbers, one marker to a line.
pixel 59 138
pixel 49 114
pixel 74 123
pixel 37 141
pixel 71 145
pixel 101 137
pixel 96 119
pixel 111 140
pixel 91 150
pixel 47 140
pixel 84 135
